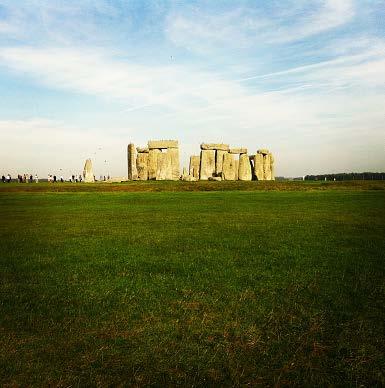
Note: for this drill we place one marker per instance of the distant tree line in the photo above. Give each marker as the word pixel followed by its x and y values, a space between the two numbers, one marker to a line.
pixel 347 176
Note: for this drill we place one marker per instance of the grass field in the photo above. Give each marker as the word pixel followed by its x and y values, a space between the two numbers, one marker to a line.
pixel 216 284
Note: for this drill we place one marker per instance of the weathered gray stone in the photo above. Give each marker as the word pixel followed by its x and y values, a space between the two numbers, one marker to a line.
pixel 228 172
pixel 215 146
pixel 272 167
pixel 88 173
pixel 266 167
pixel 258 167
pixel 236 169
pixel 164 167
pixel 219 161
pixel 207 166
pixel 194 166
pixel 153 163
pixel 142 166
pixel 238 150
pixel 162 144
pixel 175 168
pixel 131 162
pixel 244 170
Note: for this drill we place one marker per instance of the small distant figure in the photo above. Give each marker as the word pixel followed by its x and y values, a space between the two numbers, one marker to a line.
pixel 3 178
pixel 31 178
pixel 61 179
pixel 36 179
pixel 49 178
pixel 19 178
pixel 8 178
pixel 73 178
pixel 25 178
pixel 104 177
pixel 80 178
pixel 54 179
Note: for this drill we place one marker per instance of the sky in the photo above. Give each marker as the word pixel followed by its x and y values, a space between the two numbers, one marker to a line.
pixel 83 78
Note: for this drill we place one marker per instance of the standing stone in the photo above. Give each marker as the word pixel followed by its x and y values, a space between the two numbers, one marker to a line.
pixel 272 167
pixel 266 167
pixel 164 166
pixel 175 167
pixel 142 166
pixel 194 166
pixel 207 167
pixel 258 167
pixel 131 160
pixel 153 163
pixel 236 168
pixel 219 161
pixel 88 173
pixel 244 170
pixel 228 172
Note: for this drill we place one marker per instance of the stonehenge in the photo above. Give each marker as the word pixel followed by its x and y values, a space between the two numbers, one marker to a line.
pixel 158 161
pixel 216 162
pixel 220 162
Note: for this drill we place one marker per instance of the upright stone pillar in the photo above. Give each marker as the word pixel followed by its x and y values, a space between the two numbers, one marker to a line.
pixel 164 167
pixel 175 167
pixel 272 167
pixel 258 167
pixel 153 163
pixel 131 162
pixel 266 167
pixel 219 161
pixel 194 166
pixel 88 173
pixel 244 171
pixel 207 167
pixel 228 172
pixel 142 166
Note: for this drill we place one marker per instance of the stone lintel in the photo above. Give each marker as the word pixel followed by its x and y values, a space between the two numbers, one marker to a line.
pixel 141 150
pixel 263 152
pixel 238 150
pixel 162 144
pixel 214 146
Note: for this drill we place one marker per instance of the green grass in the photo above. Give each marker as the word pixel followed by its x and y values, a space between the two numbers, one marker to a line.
pixel 206 288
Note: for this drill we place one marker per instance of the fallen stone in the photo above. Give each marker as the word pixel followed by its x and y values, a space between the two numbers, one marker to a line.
pixel 215 178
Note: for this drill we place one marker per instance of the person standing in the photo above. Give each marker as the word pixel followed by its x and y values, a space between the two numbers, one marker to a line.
pixel 61 179
pixel 36 179
pixel 8 178
pixel 3 178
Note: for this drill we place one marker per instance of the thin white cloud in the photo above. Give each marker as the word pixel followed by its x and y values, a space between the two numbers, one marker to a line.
pixel 203 32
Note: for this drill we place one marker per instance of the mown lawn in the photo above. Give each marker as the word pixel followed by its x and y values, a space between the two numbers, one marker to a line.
pixel 192 288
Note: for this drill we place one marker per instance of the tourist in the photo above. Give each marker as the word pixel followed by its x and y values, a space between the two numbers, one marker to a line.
pixel 3 179
pixel 36 179
pixel 8 178
pixel 54 179
pixel 31 178
pixel 61 179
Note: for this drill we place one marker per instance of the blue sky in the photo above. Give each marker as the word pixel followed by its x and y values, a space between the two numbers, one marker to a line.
pixel 80 79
